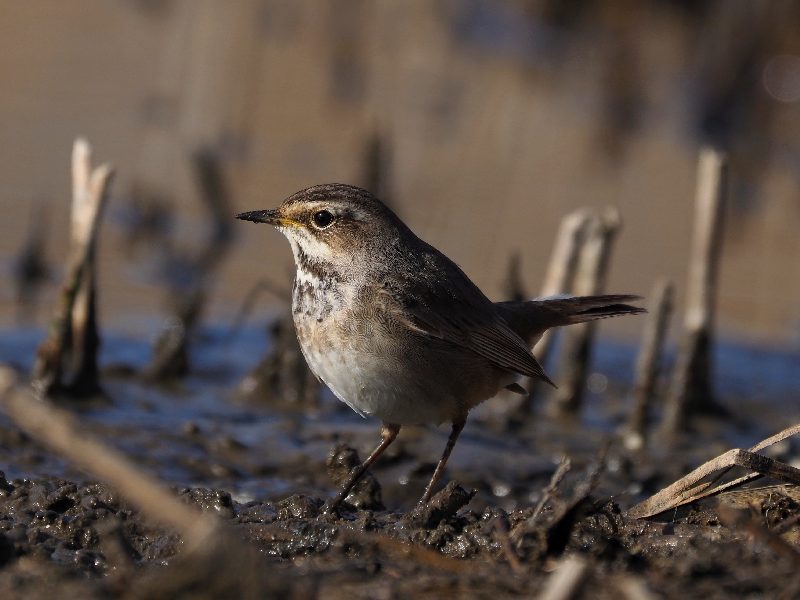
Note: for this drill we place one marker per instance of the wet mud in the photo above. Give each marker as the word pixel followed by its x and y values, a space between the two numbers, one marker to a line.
pixel 498 526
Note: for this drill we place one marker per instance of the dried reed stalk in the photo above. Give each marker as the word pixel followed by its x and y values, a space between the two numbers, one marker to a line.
pixel 171 354
pixel 690 489
pixel 558 280
pixel 648 363
pixel 73 333
pixel 590 279
pixel 691 389
pixel 561 269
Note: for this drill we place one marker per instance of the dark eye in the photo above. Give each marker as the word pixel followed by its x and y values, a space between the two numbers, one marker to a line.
pixel 322 218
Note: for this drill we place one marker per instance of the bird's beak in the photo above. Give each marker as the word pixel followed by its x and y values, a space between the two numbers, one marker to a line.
pixel 270 216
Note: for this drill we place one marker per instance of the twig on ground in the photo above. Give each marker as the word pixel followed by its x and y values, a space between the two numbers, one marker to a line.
pixel 556 532
pixel 747 497
pixel 214 557
pixel 561 471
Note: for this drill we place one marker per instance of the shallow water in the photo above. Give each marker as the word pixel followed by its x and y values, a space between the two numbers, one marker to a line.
pixel 200 432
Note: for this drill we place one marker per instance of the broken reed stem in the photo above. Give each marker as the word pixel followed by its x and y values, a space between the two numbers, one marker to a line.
pixel 689 487
pixel 691 389
pixel 171 353
pixel 215 194
pixel 282 376
pixel 57 429
pixel 558 280
pixel 85 336
pixel 589 280
pixel 74 322
pixel 649 362
pixel 561 269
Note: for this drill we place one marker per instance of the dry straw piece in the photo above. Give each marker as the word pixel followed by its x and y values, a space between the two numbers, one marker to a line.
pixel 690 489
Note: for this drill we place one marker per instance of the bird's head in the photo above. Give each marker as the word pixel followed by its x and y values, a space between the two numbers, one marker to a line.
pixel 332 223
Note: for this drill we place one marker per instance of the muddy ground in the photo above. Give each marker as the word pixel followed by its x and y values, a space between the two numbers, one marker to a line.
pixel 263 458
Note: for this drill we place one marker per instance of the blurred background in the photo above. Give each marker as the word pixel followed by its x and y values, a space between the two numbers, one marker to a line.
pixel 481 122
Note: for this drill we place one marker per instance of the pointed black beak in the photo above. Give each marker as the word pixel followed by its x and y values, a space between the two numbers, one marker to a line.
pixel 261 216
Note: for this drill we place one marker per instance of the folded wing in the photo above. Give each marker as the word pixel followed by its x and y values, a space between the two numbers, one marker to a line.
pixel 460 322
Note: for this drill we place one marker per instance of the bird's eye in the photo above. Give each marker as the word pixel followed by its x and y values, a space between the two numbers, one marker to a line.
pixel 322 219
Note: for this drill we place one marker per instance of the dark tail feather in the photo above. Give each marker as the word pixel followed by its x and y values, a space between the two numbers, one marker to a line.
pixel 531 318
pixel 591 308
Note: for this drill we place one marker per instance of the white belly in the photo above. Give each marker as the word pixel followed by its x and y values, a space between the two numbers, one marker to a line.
pixel 370 386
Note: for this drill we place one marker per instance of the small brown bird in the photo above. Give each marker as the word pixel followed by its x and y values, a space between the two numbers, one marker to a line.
pixel 394 328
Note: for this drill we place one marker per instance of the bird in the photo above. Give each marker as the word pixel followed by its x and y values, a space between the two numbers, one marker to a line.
pixel 395 329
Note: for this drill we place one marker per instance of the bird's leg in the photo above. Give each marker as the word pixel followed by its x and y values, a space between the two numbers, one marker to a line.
pixel 388 435
pixel 458 425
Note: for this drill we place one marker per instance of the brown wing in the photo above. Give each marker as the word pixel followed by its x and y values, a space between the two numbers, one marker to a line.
pixel 475 328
